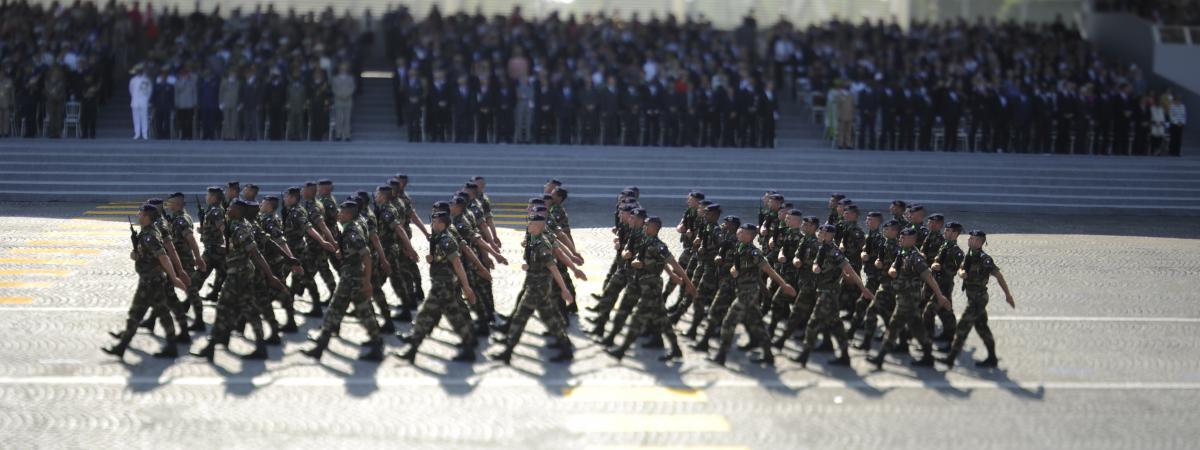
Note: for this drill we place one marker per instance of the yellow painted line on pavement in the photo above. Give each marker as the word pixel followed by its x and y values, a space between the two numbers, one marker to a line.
pixel 118 206
pixel 16 300
pixel 666 447
pixel 510 222
pixel 633 394
pixel 511 216
pixel 24 284
pixel 509 204
pixel 65 243
pixel 647 423
pixel 50 272
pixel 509 209
pixel 93 233
pixel 59 251
pixel 92 224
pixel 66 262
pixel 110 213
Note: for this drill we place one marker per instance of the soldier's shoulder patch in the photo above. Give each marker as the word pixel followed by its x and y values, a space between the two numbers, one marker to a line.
pixel 754 252
pixel 662 248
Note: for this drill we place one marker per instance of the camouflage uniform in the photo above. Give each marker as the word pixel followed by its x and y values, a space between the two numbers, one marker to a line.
pixel 726 287
pixel 748 260
pixel 910 265
pixel 464 224
pixel 329 211
pixel 651 312
pixel 852 241
pixel 825 318
pixel 538 282
pixel 685 257
pixel 884 304
pixel 402 267
pixel 173 306
pixel 268 234
pixel 872 246
pixel 354 247
pixel 950 256
pixel 152 287
pixel 410 267
pixel 806 287
pixel 181 227
pixel 558 215
pixel 709 234
pixel 788 244
pixel 236 302
pixel 295 229
pixel 979 266
pixel 212 235
pixel 623 280
pixel 445 295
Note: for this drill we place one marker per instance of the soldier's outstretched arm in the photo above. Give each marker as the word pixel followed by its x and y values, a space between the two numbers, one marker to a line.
pixel 378 247
pixel 412 215
pixel 174 257
pixel 487 248
pixel 191 241
pixel 850 274
pixel 405 242
pixel 783 284
pixel 325 231
pixel 566 240
pixel 472 258
pixel 682 275
pixel 323 242
pixel 456 262
pixel 927 276
pixel 261 264
pixel 368 272
pixel 1004 286
pixel 562 285
pixel 562 257
pixel 170 270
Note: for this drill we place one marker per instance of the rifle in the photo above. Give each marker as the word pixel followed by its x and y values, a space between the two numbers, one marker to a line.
pixel 199 211
pixel 132 234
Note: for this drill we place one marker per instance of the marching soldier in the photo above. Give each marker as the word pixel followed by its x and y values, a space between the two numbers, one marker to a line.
pixel 748 267
pixel 830 267
pixel 976 269
pixel 212 235
pixel 946 261
pixel 540 269
pixel 189 256
pixel 909 273
pixel 448 278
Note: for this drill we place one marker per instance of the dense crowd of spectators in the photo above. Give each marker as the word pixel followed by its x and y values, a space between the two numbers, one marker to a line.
pixel 1162 12
pixel 588 80
pixel 982 86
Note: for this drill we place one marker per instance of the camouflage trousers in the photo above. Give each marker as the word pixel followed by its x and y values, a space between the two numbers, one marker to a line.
pixel 556 297
pixel 308 256
pixel 687 261
pixel 445 299
pixel 214 258
pixel 484 304
pixel 150 293
pixel 825 319
pixel 620 282
pixel 861 305
pixel 537 298
pixel 379 279
pixel 974 317
pixel 743 311
pixel 404 276
pixel 651 312
pixel 879 309
pixel 780 304
pixel 326 269
pixel 906 317
pixel 350 292
pixel 802 307
pixel 236 304
pixel 933 309
pixel 726 292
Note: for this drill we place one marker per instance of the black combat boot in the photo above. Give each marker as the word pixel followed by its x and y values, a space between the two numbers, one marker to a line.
pixel 565 353
pixel 374 351
pixel 209 351
pixel 260 351
pixel 315 310
pixel 183 337
pixel 387 327
pixel 878 359
pixel 926 358
pixel 842 361
pixel 403 315
pixel 117 350
pixel 767 357
pixel 410 355
pixel 675 351
pixel 466 353
pixel 752 343
pixel 990 363
pixel 322 342
pixel 655 342
pixel 719 358
pixel 802 358
pixel 504 356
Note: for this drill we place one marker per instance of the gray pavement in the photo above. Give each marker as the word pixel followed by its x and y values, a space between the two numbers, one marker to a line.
pixel 1101 351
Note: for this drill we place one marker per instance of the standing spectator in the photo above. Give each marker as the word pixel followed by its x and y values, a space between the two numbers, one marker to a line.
pixel 318 106
pixel 275 98
pixel 565 107
pixel 506 100
pixel 208 97
pixel 543 116
pixel 163 103
pixel 770 115
pixel 1178 118
pixel 185 102
pixel 524 109
pixel 845 119
pixel 437 112
pixel 486 101
pixel 230 105
pixel 250 98
pixel 7 102
pixel 463 107
pixel 89 105
pixel 950 109
pixel 343 102
pixel 414 101
pixel 610 111
pixel 140 90
pixel 1141 125
pixel 1158 125
pixel 868 110
pixel 55 93
pixel 400 83
pixel 297 104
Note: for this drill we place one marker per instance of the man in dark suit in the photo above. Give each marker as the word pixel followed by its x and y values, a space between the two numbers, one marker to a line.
pixel 400 77
pixel 566 110
pixel 631 106
pixel 950 109
pixel 1022 121
pixel 868 111
pixel 676 104
pixel 589 112
pixel 1065 115
pixel 747 103
pixel 908 111
pixel 1123 111
pixel 464 111
pixel 1002 112
pixel 1043 105
pixel 1106 107
pixel 437 112
pixel 506 100
pixel 544 121
pixel 414 99
pixel 653 103
pixel 610 111
pixel 979 136
pixel 768 114
pixel 927 113
pixel 486 102
pixel 727 107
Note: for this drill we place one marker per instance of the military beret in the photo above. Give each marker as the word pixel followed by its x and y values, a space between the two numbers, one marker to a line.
pixel 954 226
pixel 325 182
pixel 349 204
pixel 554 181
pixel 477 178
pixel 155 201
pixel 634 189
pixel 811 219
pixel 537 201
pixel 916 208
pixel 239 202
pixel 364 195
pixel 538 209
pixel 233 184
pixel 900 203
pixel 937 218
pixel 561 192
pixel 705 202
pixel 845 202
pixel 770 192
pixel 837 196
pixel 875 214
pixel 394 182
pixel 547 196
pixel 384 188
pixel 715 207
pixel 148 208
pixel 537 218
pixel 654 220
pixel 440 215
pixel 251 204
pixel 795 212
pixel 628 207
pixel 978 233
pixel 628 193
pixel 456 200
pixel 749 226
pixel 309 184
pixel 294 190
pixel 829 227
pixel 776 197
pixel 891 223
pixel 908 232
pixel 441 206
pixel 733 219
pixel 271 198
pixel 470 185
pixel 696 195
pixel 639 212
pixel 252 186
pixel 850 208
pixel 175 195
pixel 786 206
pixel 401 176
pixel 215 190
